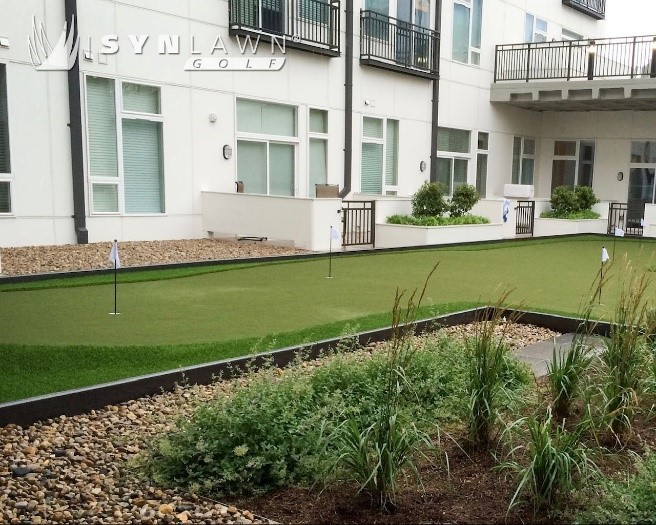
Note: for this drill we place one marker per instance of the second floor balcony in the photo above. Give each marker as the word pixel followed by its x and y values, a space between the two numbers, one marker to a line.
pixel 389 43
pixel 312 25
pixel 594 8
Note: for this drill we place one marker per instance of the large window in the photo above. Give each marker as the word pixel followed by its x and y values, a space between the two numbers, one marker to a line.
pixel 380 144
pixel 642 180
pixel 481 164
pixel 266 147
pixel 318 141
pixel 124 134
pixel 5 160
pixel 535 29
pixel 452 157
pixel 467 29
pixel 573 163
pixel 523 165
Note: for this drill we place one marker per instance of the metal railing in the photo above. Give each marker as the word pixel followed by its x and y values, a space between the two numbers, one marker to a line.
pixel 594 8
pixel 302 23
pixel 359 223
pixel 625 57
pixel 525 220
pixel 626 217
pixel 394 44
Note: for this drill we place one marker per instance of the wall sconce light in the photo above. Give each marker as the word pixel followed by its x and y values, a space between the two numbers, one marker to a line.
pixel 227 152
pixel 592 48
pixel 4 41
pixel 88 55
pixel 653 44
pixel 422 166
pixel 620 176
pixel 213 118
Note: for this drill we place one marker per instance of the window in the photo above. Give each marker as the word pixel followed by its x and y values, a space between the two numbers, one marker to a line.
pixel 452 158
pixel 266 147
pixel 315 10
pixel 571 35
pixel 124 137
pixel 523 165
pixel 573 163
pixel 380 144
pixel 642 180
pixel 481 164
pixel 318 141
pixel 467 28
pixel 5 160
pixel 535 29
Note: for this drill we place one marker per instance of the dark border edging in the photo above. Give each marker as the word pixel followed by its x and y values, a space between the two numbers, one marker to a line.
pixel 24 412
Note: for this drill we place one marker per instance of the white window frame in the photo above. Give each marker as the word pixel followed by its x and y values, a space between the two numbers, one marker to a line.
pixel 534 29
pixel 453 155
pixel 268 139
pixel 315 135
pixel 121 115
pixel 385 189
pixel 472 51
pixel 8 177
pixel 522 156
pixel 641 165
pixel 569 35
pixel 576 158
pixel 483 152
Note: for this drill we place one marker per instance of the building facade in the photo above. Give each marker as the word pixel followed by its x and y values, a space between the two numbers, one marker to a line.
pixel 148 133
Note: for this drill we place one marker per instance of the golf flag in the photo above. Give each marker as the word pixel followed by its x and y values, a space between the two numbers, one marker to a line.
pixel 604 255
pixel 619 232
pixel 642 222
pixel 334 234
pixel 113 255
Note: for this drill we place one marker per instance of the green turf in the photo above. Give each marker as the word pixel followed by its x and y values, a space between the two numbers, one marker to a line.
pixel 220 312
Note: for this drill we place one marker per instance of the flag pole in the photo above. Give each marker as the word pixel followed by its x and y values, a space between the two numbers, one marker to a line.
pixel 330 256
pixel 115 271
pixel 601 279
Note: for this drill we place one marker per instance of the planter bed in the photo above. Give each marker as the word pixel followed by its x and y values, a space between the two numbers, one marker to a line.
pixel 399 235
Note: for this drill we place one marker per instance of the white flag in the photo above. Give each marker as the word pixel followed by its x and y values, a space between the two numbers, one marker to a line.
pixel 604 255
pixel 113 255
pixel 642 222
pixel 619 232
pixel 334 234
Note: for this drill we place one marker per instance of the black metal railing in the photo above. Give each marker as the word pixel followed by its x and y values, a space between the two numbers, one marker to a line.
pixel 625 57
pixel 359 223
pixel 394 44
pixel 305 24
pixel 627 217
pixel 525 219
pixel 594 8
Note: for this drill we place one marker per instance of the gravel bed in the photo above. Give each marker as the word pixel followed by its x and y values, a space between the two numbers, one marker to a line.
pixel 70 257
pixel 81 468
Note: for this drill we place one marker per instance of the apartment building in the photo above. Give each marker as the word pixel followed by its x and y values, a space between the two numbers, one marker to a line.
pixel 189 118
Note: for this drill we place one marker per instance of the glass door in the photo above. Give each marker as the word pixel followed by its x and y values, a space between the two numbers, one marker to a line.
pixel 641 192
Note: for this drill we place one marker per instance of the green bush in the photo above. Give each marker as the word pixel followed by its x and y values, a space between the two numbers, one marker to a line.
pixel 566 202
pixel 585 197
pixel 463 220
pixel 429 201
pixel 573 215
pixel 563 200
pixel 464 198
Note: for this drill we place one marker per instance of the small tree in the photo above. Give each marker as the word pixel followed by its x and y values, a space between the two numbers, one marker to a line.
pixel 464 198
pixel 563 200
pixel 585 197
pixel 429 200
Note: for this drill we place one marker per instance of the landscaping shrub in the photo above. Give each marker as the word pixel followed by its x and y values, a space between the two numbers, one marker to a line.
pixel 585 197
pixel 563 200
pixel 464 198
pixel 429 201
pixel 572 204
pixel 437 221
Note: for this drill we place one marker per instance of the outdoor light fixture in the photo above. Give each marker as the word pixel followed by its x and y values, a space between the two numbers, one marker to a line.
pixel 4 41
pixel 88 55
pixel 213 118
pixel 422 166
pixel 653 44
pixel 227 152
pixel 620 176
pixel 592 47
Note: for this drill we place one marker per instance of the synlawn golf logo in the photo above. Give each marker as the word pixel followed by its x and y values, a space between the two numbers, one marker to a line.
pixel 65 53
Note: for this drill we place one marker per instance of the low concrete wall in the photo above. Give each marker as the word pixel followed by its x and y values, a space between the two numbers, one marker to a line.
pixel 649 229
pixel 397 235
pixel 549 227
pixel 304 222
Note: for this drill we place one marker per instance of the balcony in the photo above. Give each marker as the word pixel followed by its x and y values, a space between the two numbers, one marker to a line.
pixel 609 73
pixel 388 43
pixel 310 25
pixel 594 8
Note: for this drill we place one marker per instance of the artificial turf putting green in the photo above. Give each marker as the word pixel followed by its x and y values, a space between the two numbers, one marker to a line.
pixel 210 313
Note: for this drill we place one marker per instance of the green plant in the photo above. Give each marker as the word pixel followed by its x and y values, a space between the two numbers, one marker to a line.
pixel 585 197
pixel 573 215
pixel 566 201
pixel 555 456
pixel 627 501
pixel 488 361
pixel 464 198
pixel 437 221
pixel 566 369
pixel 429 200
pixel 563 200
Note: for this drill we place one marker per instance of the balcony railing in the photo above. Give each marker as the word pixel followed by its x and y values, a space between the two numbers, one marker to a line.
pixel 626 57
pixel 389 43
pixel 312 25
pixel 594 8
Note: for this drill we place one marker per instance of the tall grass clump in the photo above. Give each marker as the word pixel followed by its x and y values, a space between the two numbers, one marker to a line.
pixel 625 358
pixel 488 362
pixel 375 456
pixel 552 459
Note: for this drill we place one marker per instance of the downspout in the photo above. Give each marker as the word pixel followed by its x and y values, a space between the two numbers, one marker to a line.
pixel 348 102
pixel 75 125
pixel 436 92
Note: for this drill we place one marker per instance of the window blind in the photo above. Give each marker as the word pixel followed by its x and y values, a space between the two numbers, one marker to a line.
pixel 455 140
pixel 372 128
pixel 5 164
pixel 460 33
pixel 105 198
pixel 142 166
pixel 252 166
pixel 371 181
pixel 281 169
pixel 141 99
pixel 444 173
pixel 101 116
pixel 391 153
pixel 318 164
pixel 5 196
pixel 270 119
pixel 318 121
